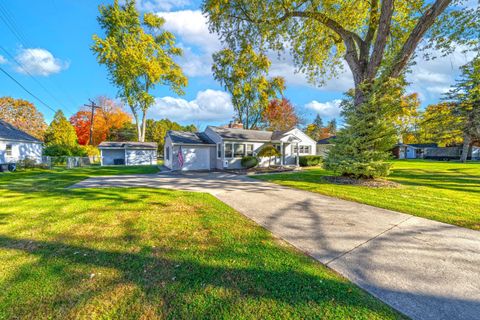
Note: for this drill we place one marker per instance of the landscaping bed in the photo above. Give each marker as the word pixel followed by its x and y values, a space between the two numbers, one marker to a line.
pixel 264 170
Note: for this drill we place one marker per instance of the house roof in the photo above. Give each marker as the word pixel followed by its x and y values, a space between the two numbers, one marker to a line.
pixel 326 140
pixel 423 145
pixel 127 145
pixel 243 134
pixel 185 137
pixel 10 132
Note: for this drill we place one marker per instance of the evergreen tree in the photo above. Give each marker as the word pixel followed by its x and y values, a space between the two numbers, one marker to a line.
pixel 363 146
pixel 318 122
pixel 332 126
pixel 60 132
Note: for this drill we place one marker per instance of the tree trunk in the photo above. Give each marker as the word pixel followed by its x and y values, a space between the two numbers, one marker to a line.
pixel 467 139
pixel 144 126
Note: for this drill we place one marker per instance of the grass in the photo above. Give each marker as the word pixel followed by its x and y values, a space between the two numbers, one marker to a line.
pixel 151 253
pixel 442 191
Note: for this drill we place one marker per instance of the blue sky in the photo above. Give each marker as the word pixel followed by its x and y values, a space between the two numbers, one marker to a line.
pixel 51 41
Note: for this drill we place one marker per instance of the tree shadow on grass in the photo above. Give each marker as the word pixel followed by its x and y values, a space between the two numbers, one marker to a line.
pixel 176 285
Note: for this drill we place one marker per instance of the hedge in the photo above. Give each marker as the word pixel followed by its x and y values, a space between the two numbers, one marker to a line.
pixel 308 161
pixel 249 162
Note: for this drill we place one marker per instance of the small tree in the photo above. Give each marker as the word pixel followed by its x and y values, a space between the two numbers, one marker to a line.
pixel 332 126
pixel 280 115
pixel 269 151
pixel 60 132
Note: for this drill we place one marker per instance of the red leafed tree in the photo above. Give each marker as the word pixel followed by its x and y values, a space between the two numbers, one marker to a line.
pixel 109 117
pixel 280 115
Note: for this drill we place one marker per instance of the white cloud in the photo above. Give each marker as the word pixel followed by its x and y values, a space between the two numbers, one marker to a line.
pixel 39 62
pixel 164 5
pixel 329 109
pixel 208 105
pixel 2 59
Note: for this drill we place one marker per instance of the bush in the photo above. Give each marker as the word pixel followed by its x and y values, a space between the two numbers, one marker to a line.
pixel 308 161
pixel 60 150
pixel 249 162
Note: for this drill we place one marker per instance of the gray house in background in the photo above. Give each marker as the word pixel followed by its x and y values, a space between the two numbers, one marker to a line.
pixel 128 153
pixel 16 145
pixel 224 147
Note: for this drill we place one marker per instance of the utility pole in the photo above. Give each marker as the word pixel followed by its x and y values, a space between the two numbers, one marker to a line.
pixel 93 106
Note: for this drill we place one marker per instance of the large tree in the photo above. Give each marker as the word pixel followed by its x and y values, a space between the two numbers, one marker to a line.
pixel 243 73
pixel 376 38
pixel 110 116
pixel 280 115
pixel 23 115
pixel 60 132
pixel 407 121
pixel 439 124
pixel 465 95
pixel 139 55
pixel 157 130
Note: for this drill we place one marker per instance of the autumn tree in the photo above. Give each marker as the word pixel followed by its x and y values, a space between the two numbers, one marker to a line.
pixel 280 115
pixel 110 116
pixel 375 39
pixel 243 73
pixel 157 130
pixel 407 120
pixel 23 115
pixel 139 55
pixel 439 124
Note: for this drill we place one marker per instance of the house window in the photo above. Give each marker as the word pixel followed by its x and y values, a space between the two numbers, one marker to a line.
pixel 228 150
pixel 8 150
pixel 249 149
pixel 239 150
pixel 168 153
pixel 219 150
pixel 301 149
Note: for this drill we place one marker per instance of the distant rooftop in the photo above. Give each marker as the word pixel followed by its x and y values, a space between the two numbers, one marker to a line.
pixel 243 134
pixel 326 140
pixel 127 145
pixel 10 132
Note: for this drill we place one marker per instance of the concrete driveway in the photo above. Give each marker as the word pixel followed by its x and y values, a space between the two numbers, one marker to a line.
pixel 423 268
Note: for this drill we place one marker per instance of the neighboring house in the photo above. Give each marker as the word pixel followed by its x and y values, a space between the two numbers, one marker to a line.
pixel 16 145
pixel 128 153
pixel 412 150
pixel 324 145
pixel 224 147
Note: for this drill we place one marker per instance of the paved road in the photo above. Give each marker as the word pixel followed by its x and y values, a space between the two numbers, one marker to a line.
pixel 423 268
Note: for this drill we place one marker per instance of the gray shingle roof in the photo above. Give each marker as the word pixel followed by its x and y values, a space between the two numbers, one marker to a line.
pixel 243 134
pixel 128 145
pixel 9 132
pixel 189 137
pixel 326 140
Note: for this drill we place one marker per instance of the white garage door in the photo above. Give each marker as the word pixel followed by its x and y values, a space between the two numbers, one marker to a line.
pixel 196 158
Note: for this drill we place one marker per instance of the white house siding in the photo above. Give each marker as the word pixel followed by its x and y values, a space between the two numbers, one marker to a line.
pixel 195 157
pixel 136 157
pixel 217 139
pixel 109 155
pixel 167 153
pixel 20 151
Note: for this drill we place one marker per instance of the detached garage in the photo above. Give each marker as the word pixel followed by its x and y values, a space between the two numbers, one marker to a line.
pixel 189 151
pixel 128 153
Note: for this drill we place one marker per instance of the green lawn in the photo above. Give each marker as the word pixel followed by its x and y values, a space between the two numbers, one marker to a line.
pixel 443 191
pixel 150 253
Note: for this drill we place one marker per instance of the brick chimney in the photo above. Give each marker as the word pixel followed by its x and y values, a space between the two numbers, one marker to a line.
pixel 235 125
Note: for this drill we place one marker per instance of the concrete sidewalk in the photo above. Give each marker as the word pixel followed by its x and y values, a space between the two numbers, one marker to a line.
pixel 423 268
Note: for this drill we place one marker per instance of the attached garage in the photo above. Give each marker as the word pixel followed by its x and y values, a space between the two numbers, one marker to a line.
pixel 188 151
pixel 128 153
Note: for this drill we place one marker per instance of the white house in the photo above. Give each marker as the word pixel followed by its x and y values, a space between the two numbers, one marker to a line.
pixel 224 147
pixel 16 145
pixel 128 153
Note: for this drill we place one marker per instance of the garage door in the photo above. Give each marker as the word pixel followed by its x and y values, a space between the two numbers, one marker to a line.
pixel 196 158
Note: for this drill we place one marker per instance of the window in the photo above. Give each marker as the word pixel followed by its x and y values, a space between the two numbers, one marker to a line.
pixel 219 150
pixel 301 149
pixel 249 149
pixel 239 150
pixel 228 150
pixel 167 155
pixel 8 150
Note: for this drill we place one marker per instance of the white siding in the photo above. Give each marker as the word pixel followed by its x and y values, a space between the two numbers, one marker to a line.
pixel 168 153
pixel 20 151
pixel 194 157
pixel 136 157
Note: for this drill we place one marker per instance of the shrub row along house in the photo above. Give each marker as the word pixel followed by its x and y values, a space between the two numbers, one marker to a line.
pixel 17 145
pixel 224 147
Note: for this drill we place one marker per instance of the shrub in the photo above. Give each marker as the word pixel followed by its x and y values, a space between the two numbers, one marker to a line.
pixel 91 150
pixel 61 150
pixel 249 162
pixel 308 161
pixel 268 151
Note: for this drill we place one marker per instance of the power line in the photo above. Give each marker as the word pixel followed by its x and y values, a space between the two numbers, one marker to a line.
pixel 26 90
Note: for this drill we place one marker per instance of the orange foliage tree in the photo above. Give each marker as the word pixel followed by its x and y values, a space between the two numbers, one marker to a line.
pixel 110 116
pixel 280 115
pixel 23 115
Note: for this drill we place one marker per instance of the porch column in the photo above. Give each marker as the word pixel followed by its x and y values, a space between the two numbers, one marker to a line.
pixel 281 154
pixel 298 156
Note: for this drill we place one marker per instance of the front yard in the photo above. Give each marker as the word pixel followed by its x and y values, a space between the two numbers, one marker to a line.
pixel 152 253
pixel 442 191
